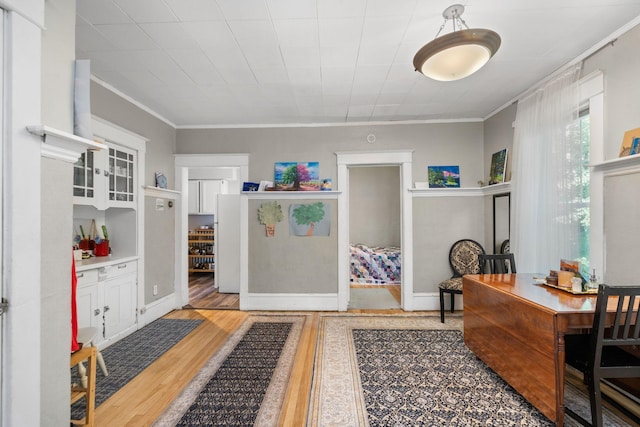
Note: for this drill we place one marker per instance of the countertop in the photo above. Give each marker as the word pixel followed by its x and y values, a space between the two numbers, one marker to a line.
pixel 102 261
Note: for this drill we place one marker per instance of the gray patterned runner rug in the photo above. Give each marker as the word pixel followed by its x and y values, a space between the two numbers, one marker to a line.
pixel 131 355
pixel 415 371
pixel 244 383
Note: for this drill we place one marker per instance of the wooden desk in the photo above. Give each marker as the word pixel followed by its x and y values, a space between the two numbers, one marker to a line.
pixel 517 328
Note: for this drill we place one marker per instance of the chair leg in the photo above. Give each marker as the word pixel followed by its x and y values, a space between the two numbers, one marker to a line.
pixel 441 306
pixel 453 301
pixel 595 398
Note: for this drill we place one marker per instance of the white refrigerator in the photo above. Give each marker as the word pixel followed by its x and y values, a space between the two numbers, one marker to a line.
pixel 227 247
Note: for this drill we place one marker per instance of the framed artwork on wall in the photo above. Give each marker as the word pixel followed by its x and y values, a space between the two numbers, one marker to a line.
pixel 444 176
pixel 297 176
pixel 498 167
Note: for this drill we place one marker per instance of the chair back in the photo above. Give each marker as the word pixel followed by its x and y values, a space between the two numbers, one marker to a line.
pixel 505 247
pixel 499 263
pixel 624 331
pixel 465 256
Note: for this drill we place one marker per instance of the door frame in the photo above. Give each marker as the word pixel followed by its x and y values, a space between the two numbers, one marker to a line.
pixel 403 159
pixel 182 164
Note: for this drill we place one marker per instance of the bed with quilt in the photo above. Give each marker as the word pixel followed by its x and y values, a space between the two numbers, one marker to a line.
pixel 375 265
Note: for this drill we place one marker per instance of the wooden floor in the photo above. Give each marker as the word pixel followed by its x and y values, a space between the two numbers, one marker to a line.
pixel 203 294
pixel 141 401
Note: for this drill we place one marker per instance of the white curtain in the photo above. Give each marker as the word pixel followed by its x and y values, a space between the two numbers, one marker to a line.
pixel 547 157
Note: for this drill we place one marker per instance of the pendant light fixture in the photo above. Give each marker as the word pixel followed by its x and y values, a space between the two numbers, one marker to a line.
pixel 458 54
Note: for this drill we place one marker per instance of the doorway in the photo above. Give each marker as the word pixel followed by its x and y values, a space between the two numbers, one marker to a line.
pixel 207 272
pixel 402 160
pixel 375 236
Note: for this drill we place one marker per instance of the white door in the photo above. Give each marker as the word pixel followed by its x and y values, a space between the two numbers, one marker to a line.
pixel 193 197
pixel 228 243
pixel 209 190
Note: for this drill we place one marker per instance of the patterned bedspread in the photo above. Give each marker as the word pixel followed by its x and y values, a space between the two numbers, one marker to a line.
pixel 374 265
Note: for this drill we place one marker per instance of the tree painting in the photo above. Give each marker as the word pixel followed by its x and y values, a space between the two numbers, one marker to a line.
pixel 297 176
pixel 269 214
pixel 311 216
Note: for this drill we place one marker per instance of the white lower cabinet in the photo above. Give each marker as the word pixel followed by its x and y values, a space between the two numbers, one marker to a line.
pixel 106 299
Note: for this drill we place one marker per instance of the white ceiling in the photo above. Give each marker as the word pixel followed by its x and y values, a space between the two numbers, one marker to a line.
pixel 281 62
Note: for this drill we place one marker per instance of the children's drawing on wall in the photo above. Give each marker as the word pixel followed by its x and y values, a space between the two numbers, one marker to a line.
pixel 270 213
pixel 297 176
pixel 309 219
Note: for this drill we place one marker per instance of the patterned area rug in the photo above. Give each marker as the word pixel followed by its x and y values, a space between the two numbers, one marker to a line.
pixel 382 371
pixel 131 355
pixel 244 383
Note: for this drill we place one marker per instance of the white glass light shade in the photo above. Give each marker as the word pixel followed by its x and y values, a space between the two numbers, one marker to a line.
pixel 456 55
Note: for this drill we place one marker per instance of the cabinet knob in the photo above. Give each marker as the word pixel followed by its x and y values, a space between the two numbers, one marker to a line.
pixel 79 275
pixel 96 312
pixel 122 266
pixel 106 308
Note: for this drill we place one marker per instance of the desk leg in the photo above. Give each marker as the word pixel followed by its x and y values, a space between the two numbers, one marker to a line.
pixel 560 378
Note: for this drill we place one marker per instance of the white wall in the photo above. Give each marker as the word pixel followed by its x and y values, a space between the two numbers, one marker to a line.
pixel 21 356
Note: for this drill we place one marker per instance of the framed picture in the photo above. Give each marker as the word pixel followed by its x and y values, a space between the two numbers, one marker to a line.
pixel 630 143
pixel 444 176
pixel 498 167
pixel 161 180
pixel 297 176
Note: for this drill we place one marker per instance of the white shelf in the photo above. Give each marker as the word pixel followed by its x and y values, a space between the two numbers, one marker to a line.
pixel 165 193
pixel 61 145
pixel 292 194
pixel 504 187
pixel 618 164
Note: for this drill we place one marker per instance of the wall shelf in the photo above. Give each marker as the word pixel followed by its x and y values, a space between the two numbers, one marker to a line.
pixel 292 194
pixel 504 187
pixel 152 191
pixel 618 164
pixel 60 145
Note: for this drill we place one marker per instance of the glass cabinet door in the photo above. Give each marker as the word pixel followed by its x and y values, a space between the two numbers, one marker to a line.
pixel 83 171
pixel 121 175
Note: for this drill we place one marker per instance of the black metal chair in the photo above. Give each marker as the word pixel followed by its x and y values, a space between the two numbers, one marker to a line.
pixel 499 263
pixel 603 353
pixel 464 258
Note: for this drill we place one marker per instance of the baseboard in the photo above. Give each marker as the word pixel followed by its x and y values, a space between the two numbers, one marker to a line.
pixel 289 302
pixel 156 310
pixel 428 301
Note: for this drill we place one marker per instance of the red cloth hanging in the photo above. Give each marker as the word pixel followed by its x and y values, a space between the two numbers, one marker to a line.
pixel 74 315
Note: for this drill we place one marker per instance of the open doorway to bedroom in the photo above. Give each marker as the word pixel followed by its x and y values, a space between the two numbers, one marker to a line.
pixel 402 159
pixel 375 237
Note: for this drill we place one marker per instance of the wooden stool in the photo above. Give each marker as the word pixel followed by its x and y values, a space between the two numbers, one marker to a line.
pixel 88 392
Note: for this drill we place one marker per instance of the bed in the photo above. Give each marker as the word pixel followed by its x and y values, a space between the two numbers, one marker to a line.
pixel 375 265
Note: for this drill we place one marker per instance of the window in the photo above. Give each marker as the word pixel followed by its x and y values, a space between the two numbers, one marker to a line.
pixel 582 201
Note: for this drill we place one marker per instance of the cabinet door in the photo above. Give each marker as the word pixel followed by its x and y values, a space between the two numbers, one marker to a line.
pixel 209 190
pixel 193 197
pixel 122 177
pixel 89 308
pixel 119 305
pixel 83 179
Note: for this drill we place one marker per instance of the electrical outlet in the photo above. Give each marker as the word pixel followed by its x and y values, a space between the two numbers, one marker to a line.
pixel 155 289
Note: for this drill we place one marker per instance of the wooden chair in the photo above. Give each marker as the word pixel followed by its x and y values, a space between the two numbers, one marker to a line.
pixel 88 391
pixel 602 353
pixel 499 263
pixel 464 258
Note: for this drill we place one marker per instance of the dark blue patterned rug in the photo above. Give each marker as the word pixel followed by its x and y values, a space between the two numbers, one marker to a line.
pixel 234 394
pixel 430 378
pixel 131 355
